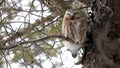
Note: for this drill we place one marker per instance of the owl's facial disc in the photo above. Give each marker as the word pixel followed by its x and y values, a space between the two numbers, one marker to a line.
pixel 74 48
pixel 72 15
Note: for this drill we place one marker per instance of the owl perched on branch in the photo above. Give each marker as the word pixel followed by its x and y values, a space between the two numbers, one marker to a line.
pixel 74 27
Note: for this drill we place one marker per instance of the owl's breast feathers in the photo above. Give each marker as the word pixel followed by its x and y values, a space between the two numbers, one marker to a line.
pixel 75 30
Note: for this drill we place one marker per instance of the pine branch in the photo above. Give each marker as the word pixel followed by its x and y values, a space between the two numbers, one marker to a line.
pixel 36 41
pixel 30 27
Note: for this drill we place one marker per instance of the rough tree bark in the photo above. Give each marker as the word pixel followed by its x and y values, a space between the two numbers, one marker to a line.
pixel 105 31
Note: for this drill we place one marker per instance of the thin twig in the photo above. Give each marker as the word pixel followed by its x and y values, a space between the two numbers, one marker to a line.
pixel 35 41
pixel 23 31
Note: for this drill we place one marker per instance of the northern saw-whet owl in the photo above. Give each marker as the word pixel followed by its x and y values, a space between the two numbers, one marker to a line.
pixel 74 27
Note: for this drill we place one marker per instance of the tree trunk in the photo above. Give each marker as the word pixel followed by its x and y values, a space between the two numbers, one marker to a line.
pixel 105 29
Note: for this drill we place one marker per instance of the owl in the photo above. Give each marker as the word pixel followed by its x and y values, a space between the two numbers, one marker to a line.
pixel 74 27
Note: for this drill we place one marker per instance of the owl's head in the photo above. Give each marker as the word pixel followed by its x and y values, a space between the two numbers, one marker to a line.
pixel 73 14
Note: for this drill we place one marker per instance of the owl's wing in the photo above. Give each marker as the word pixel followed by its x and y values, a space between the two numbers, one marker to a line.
pixel 65 25
pixel 64 31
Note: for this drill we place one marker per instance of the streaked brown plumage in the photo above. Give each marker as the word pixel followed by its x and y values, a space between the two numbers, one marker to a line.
pixel 74 26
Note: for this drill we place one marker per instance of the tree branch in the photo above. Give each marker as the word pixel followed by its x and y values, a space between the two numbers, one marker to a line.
pixel 23 31
pixel 35 41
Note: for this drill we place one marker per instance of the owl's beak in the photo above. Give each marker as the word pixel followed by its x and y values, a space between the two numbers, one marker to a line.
pixel 74 55
pixel 72 18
